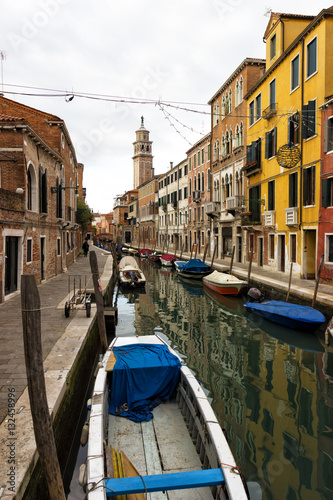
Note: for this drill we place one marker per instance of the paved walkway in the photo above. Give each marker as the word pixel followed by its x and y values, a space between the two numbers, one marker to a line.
pixel 54 324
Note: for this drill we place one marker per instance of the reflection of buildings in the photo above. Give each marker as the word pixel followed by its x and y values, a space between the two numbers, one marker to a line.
pixel 270 397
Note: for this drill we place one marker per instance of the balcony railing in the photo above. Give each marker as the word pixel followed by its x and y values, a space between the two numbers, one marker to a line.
pixel 270 111
pixel 270 218
pixel 291 216
pixel 212 207
pixel 235 202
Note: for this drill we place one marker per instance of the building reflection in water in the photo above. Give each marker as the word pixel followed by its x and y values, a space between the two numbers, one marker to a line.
pixel 270 387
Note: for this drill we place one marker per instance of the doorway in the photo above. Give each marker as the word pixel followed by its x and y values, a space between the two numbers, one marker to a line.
pixel 261 251
pixel 281 252
pixel 239 248
pixel 42 258
pixel 309 254
pixel 11 267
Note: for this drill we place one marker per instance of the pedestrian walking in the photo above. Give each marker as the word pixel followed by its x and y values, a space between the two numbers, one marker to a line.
pixel 85 248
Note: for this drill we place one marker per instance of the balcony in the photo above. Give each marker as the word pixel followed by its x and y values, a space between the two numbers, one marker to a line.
pixel 252 168
pixel 234 203
pixel 212 207
pixel 270 218
pixel 270 111
pixel 196 196
pixel 291 216
pixel 164 207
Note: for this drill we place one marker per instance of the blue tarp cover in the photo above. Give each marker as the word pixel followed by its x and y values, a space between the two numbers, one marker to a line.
pixel 143 376
pixel 195 265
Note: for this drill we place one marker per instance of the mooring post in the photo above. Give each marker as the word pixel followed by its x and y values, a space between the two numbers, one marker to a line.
pixel 290 275
pixel 214 252
pixel 232 259
pixel 99 299
pixel 31 319
pixel 250 265
pixel 317 281
pixel 205 253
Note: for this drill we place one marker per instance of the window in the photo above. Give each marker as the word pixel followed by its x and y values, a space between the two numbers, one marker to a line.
pixel 42 190
pixel 202 181
pixel 328 135
pixel 58 247
pixel 251 113
pixel 293 188
pixel 202 156
pixel 29 250
pixel 327 192
pixel 198 154
pixel 208 153
pixel 253 152
pixel 309 186
pixel 292 253
pixel 255 203
pixel 185 170
pixel 273 46
pixel 329 248
pixel 209 180
pixel 31 189
pixel 271 195
pixel 258 107
pixel 272 94
pixel 270 143
pixel 271 246
pixel 223 107
pixel 216 112
pixel 311 53
pixel 194 161
pixel 295 73
pixel 185 192
pixel 293 129
pixel 309 119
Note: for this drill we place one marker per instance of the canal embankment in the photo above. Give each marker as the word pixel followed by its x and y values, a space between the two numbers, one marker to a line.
pixel 70 347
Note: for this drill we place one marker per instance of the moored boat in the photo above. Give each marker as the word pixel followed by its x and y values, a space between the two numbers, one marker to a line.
pixel 288 314
pixel 130 275
pixel 155 257
pixel 144 253
pixel 142 397
pixel 225 284
pixel 167 260
pixel 194 269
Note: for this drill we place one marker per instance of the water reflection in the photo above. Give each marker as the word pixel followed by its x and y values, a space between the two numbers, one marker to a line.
pixel 270 387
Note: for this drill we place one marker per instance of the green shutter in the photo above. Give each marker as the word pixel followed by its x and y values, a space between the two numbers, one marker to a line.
pixel 305 122
pixel 266 145
pixel 325 192
pixel 325 147
pixel 305 187
pixel 275 141
pixel 311 118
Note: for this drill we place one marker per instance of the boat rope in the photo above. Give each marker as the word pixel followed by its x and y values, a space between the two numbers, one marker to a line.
pixel 145 487
pixel 236 470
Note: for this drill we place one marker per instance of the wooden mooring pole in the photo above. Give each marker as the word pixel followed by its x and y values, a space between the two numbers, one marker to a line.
pixel 232 259
pixel 98 299
pixel 290 275
pixel 214 252
pixel 317 281
pixel 31 319
pixel 250 265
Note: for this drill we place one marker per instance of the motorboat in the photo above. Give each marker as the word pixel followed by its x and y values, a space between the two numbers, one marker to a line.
pixel 133 251
pixel 144 253
pixel 288 314
pixel 152 429
pixel 155 257
pixel 167 260
pixel 130 275
pixel 194 269
pixel 225 284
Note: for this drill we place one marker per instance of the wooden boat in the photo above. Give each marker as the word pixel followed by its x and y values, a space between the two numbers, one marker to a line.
pixel 194 269
pixel 133 251
pixel 144 253
pixel 155 257
pixel 167 260
pixel 130 275
pixel 288 314
pixel 138 439
pixel 225 284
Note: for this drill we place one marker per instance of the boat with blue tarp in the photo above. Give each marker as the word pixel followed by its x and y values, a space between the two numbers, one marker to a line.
pixel 288 314
pixel 152 429
pixel 194 269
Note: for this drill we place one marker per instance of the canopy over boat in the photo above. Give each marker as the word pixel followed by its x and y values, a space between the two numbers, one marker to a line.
pixel 288 314
pixel 196 266
pixel 168 257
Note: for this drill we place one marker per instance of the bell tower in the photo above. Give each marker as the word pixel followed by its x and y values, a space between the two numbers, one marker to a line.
pixel 143 158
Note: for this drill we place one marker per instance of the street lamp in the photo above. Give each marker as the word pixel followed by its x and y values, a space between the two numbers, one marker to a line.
pixel 59 188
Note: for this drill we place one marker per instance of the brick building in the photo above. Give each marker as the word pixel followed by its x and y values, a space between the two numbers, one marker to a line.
pixel 38 183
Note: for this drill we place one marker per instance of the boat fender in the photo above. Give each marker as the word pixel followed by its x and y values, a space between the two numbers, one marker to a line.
pixel 98 366
pixel 89 404
pixel 84 434
pixel 83 475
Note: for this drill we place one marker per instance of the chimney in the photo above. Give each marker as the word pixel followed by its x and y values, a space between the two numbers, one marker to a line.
pixel 171 165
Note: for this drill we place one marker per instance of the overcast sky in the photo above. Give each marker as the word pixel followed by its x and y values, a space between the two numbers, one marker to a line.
pixel 179 51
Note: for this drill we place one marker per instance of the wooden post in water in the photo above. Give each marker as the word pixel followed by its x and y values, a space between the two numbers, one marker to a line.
pixel 31 319
pixel 250 265
pixel 205 252
pixel 192 251
pixel 290 275
pixel 214 252
pixel 181 252
pixel 232 259
pixel 99 300
pixel 195 250
pixel 317 281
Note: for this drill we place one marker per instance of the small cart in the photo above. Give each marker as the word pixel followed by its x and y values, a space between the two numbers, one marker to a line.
pixel 78 298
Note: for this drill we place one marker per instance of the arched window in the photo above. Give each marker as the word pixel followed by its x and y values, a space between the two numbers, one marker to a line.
pixel 223 107
pixel 199 182
pixel 195 183
pixel 241 135
pixel 209 179
pixel 223 147
pixel 230 101
pixel 227 144
pixel 31 188
pixel 230 141
pixel 240 89
pixel 230 185
pixel 202 181
pixel 222 189
pixel 237 93
pixel 216 112
pixel 237 136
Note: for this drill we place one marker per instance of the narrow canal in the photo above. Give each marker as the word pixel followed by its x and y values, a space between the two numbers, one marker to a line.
pixel 270 387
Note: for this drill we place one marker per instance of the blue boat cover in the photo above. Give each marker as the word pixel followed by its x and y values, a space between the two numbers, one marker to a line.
pixel 143 376
pixel 288 314
pixel 195 265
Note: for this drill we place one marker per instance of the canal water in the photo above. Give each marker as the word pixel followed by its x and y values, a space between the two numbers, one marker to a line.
pixel 270 387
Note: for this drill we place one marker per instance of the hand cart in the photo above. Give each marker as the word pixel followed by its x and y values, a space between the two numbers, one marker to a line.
pixel 78 298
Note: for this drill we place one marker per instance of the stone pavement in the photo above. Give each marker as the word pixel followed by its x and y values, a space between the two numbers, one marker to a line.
pixel 54 324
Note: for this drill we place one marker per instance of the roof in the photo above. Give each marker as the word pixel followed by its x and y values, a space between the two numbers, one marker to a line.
pixel 278 15
pixel 7 118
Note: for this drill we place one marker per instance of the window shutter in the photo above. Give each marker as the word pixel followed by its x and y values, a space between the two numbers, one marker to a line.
pixel 275 140
pixel 44 193
pixel 313 192
pixel 305 186
pixel 311 118
pixel 326 125
pixel 40 190
pixel 325 186
pixel 305 121
pixel 267 145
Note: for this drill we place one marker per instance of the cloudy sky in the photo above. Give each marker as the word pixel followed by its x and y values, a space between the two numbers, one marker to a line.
pixel 176 52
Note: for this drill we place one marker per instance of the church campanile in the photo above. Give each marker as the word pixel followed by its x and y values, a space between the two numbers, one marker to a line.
pixel 142 159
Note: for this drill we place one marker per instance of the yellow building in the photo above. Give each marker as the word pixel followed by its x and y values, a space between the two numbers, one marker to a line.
pixel 284 143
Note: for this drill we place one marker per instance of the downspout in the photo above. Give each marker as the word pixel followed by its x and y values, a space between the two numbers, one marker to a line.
pixel 301 130
pixel 282 34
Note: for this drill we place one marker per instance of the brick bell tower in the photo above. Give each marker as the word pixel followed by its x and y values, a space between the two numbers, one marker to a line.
pixel 142 159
